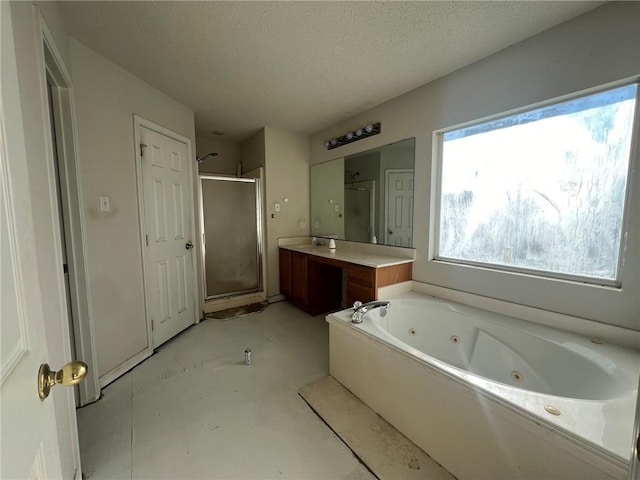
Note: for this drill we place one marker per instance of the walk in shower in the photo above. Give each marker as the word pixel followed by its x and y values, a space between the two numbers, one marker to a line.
pixel 231 223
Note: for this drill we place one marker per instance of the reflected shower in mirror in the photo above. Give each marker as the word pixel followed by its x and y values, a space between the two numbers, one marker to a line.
pixel 366 197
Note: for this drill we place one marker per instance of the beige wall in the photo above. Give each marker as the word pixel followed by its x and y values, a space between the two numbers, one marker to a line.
pixel 328 184
pixel 50 11
pixel 286 175
pixel 600 46
pixel 106 99
pixel 252 151
pixel 228 155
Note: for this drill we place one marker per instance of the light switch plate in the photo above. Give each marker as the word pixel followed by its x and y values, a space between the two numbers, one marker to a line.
pixel 105 204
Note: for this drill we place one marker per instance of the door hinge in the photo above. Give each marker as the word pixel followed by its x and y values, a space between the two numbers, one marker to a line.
pixel 146 237
pixel 142 147
pixel 152 322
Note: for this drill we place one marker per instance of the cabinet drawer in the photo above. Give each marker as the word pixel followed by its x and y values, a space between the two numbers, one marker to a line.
pixel 360 275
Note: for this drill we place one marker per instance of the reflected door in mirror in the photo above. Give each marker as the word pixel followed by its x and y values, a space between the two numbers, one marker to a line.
pixel 399 231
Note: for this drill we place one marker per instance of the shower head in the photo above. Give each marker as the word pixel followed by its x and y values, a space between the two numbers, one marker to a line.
pixel 204 157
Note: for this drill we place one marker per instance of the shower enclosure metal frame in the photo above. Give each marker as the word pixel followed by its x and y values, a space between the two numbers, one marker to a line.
pixel 259 227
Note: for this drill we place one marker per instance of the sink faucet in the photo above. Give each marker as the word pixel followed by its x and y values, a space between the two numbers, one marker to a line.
pixel 359 309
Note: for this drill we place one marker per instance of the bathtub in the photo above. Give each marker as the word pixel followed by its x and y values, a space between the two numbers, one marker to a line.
pixel 491 396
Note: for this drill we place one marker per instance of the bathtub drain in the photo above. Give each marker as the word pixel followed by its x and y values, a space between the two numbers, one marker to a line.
pixel 454 339
pixel 412 331
pixel 517 376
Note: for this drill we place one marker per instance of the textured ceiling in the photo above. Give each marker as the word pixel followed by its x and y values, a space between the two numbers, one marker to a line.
pixel 300 66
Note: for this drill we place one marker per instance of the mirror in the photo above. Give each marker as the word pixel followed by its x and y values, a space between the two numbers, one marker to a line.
pixel 366 197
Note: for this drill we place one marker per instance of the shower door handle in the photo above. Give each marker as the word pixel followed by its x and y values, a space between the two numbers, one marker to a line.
pixel 188 245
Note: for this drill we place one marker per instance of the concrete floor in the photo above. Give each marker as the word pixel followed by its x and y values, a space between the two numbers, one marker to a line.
pixel 194 410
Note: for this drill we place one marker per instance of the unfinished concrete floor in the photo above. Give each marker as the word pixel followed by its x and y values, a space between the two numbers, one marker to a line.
pixel 194 410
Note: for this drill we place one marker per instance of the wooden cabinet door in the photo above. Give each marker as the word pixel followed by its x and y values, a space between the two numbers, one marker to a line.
pixel 325 287
pixel 285 273
pixel 299 280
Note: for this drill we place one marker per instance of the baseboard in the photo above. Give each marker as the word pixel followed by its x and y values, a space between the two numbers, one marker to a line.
pixel 123 368
pixel 275 298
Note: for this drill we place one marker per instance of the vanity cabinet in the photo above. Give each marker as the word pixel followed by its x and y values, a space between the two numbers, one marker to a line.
pixel 315 284
pixel 360 284
pixel 286 272
pixel 299 282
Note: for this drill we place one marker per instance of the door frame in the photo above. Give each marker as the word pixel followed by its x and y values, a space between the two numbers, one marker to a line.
pixel 72 202
pixel 386 197
pixel 203 244
pixel 138 122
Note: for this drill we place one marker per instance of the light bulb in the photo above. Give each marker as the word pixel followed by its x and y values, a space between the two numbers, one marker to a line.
pixel 359 132
pixel 349 135
pixel 333 141
pixel 369 128
pixel 326 144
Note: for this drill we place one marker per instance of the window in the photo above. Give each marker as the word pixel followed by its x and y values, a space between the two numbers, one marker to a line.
pixel 540 191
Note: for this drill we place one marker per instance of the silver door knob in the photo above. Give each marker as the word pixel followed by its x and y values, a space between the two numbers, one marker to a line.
pixel 188 245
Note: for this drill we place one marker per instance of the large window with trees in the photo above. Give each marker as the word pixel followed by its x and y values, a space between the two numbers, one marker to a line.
pixel 541 191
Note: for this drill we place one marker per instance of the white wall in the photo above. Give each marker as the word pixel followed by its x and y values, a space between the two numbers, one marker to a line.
pixel 593 49
pixel 106 99
pixel 286 175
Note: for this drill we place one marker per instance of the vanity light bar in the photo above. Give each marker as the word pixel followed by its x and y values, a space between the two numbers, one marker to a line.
pixel 350 137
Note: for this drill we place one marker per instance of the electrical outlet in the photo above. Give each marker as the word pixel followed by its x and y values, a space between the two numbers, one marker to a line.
pixel 336 207
pixel 276 207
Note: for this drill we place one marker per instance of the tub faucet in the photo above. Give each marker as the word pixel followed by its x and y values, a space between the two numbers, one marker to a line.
pixel 359 309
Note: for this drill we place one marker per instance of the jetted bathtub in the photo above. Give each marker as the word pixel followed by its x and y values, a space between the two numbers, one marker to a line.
pixel 491 396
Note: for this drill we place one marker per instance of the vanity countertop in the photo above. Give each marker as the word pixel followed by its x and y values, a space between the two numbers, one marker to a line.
pixel 366 259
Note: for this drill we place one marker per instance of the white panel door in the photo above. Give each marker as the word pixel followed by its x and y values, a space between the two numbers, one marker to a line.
pixel 28 440
pixel 399 218
pixel 167 208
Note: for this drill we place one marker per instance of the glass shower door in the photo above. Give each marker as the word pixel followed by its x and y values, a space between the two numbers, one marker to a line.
pixel 231 223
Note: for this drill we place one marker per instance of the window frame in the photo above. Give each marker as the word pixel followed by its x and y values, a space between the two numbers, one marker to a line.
pixel 438 160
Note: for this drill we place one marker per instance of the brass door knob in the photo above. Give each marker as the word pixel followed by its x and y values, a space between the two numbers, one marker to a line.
pixel 71 374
